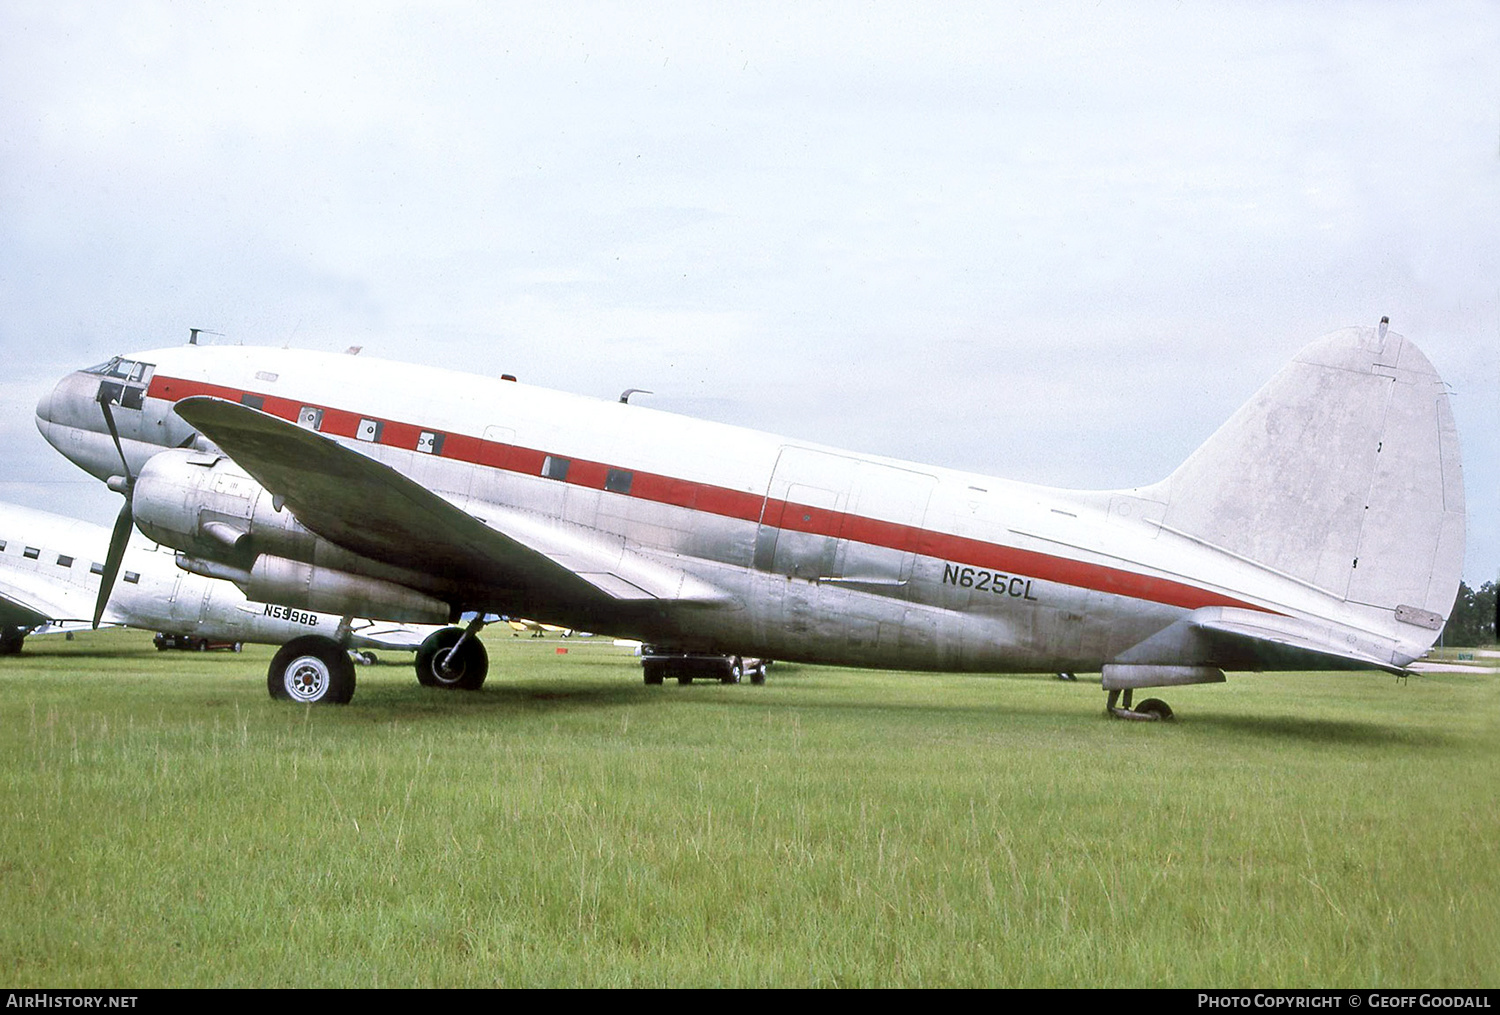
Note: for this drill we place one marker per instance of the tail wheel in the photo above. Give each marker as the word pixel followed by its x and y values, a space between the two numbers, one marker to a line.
pixel 438 667
pixel 313 670
pixel 1154 707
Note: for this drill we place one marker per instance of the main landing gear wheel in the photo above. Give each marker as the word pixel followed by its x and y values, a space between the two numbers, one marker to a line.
pixel 313 670
pixel 734 668
pixel 437 667
pixel 655 670
pixel 758 672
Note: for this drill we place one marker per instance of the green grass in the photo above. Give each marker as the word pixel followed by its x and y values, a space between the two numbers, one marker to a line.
pixel 164 823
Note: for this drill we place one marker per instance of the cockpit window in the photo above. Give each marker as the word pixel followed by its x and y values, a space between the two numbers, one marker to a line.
pixel 125 381
pixel 128 370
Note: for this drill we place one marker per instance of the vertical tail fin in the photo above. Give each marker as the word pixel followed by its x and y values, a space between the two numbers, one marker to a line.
pixel 1342 471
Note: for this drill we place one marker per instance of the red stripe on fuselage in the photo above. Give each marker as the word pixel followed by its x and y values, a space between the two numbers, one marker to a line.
pixel 737 504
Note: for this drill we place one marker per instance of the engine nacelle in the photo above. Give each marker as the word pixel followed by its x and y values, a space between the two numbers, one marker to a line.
pixel 204 504
pixel 212 510
pixel 324 590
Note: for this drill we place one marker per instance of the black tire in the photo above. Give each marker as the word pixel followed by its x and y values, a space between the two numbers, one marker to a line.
pixel 734 668
pixel 313 670
pixel 1154 707
pixel 466 673
pixel 11 640
pixel 655 670
pixel 202 645
pixel 758 672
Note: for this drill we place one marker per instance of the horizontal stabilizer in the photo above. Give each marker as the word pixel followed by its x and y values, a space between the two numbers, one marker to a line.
pixel 1270 642
pixel 1235 639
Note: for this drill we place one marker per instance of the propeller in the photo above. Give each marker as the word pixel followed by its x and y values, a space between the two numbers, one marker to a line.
pixel 124 522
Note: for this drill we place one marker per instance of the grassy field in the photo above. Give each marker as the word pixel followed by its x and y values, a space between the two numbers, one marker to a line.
pixel 164 823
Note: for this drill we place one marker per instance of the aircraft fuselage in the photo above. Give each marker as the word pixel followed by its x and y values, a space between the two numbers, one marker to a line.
pixel 822 554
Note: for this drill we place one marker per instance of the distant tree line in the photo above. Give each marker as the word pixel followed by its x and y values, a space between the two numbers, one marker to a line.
pixel 1473 619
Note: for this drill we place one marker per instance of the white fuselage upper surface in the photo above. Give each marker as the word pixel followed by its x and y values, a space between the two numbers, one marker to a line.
pixel 823 554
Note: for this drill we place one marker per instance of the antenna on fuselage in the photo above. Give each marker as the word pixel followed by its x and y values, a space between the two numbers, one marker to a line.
pixel 193 334
pixel 625 395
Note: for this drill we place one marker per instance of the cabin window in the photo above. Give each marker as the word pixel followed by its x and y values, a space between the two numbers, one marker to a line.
pixel 32 553
pixel 2 546
pixel 555 468
pixel 430 443
pixel 369 430
pixel 618 481
pixel 310 417
pixel 132 577
pixel 253 401
pixel 96 568
pixel 63 560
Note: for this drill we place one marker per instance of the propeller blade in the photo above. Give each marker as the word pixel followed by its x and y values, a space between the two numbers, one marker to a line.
pixel 109 421
pixel 124 522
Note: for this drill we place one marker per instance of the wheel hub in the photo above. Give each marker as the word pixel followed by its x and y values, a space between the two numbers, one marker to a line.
pixel 446 667
pixel 307 678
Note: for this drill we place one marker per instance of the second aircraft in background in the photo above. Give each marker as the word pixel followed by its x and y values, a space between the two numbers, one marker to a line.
pixel 50 568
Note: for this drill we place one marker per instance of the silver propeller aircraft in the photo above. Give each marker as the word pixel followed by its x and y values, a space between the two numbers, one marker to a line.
pixel 1321 527
pixel 51 569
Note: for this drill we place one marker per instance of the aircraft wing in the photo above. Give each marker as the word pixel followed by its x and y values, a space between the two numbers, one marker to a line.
pixel 372 634
pixel 376 511
pixel 29 604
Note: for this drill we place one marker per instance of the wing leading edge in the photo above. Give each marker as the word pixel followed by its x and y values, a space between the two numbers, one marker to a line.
pixel 31 600
pixel 376 511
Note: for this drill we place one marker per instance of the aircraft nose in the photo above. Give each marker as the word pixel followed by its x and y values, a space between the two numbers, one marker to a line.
pixel 69 401
pixel 70 420
pixel 44 409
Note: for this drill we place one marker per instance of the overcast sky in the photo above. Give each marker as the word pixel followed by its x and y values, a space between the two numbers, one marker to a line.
pixel 1057 243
